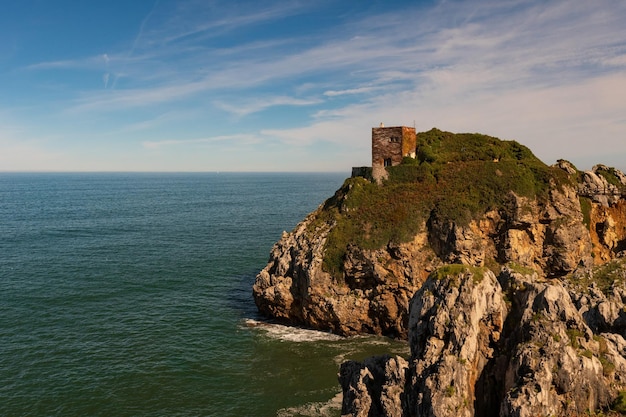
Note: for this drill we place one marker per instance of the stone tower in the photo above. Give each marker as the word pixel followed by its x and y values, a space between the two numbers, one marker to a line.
pixel 389 146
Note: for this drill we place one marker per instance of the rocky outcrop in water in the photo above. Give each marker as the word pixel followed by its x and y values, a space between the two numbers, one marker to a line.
pixel 293 287
pixel 510 287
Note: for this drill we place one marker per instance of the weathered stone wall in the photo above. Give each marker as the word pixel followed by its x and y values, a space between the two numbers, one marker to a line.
pixel 365 172
pixel 393 143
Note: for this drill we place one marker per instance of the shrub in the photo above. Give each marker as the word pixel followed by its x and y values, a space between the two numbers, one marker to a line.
pixel 619 404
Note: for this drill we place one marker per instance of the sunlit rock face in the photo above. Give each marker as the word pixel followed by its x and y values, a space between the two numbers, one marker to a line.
pixel 516 309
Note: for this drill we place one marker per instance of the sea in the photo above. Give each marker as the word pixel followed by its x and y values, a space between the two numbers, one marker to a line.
pixel 130 294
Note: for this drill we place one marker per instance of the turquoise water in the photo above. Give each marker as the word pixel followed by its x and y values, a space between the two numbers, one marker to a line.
pixel 130 295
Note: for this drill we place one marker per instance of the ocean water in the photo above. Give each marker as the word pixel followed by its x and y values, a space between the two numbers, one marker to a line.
pixel 130 295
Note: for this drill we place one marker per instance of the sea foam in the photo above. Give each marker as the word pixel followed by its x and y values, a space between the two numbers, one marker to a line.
pixel 290 333
pixel 331 407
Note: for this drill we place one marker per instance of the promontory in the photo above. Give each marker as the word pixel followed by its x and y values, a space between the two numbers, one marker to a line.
pixel 506 275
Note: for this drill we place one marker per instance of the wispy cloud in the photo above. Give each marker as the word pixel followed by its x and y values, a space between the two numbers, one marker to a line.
pixel 262 103
pixel 96 62
pixel 238 139
pixel 194 21
pixel 545 73
pixel 350 91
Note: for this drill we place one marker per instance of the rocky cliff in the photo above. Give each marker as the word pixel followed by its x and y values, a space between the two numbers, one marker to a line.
pixel 353 265
pixel 504 274
pixel 512 345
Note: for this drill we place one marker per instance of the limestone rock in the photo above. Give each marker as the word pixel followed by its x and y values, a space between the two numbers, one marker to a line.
pixel 546 337
pixel 373 388
pixel 566 166
pixel 456 318
pixel 595 185
pixel 373 297
pixel 516 346
pixel 553 235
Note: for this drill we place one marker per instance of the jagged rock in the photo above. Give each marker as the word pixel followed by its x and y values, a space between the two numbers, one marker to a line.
pixel 516 346
pixel 566 166
pixel 456 318
pixel 548 235
pixel 544 338
pixel 374 387
pixel 554 365
pixel 374 297
pixel 595 185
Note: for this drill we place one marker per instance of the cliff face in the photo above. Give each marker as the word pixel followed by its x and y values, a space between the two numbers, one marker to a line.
pixel 373 298
pixel 373 293
pixel 506 276
pixel 515 345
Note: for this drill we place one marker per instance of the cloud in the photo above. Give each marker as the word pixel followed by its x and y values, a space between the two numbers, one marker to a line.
pixel 88 63
pixel 350 91
pixel 238 139
pixel 549 74
pixel 259 104
pixel 194 21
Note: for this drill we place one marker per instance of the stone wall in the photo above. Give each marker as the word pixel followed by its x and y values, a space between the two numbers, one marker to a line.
pixel 365 172
pixel 390 145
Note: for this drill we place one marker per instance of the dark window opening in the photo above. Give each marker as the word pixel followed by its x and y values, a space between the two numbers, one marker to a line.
pixel 387 162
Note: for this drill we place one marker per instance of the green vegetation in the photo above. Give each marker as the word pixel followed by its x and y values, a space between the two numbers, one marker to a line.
pixel 369 216
pixel 573 335
pixel 585 206
pixel 450 391
pixel 603 276
pixel 453 271
pixel 520 269
pixel 443 147
pixel 454 178
pixel 587 353
pixel 457 269
pixel 619 404
pixel 607 366
pixel 609 176
pixel 538 316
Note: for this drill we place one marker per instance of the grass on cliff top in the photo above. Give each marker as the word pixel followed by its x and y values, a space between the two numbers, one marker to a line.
pixel 455 177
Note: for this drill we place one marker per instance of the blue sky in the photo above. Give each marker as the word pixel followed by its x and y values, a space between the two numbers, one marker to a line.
pixel 202 85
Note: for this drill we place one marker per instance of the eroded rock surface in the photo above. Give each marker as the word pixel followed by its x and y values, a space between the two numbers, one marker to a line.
pixel 372 296
pixel 545 337
pixel 513 346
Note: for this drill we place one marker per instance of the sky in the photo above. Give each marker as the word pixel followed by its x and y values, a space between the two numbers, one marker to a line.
pixel 282 85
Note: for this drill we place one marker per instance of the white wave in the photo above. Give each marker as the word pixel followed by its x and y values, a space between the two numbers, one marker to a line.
pixel 331 407
pixel 291 334
pixel 387 347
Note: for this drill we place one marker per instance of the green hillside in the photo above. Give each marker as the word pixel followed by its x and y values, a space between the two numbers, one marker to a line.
pixel 455 177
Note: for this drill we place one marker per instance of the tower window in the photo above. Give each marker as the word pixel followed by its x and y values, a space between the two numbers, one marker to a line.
pixel 387 162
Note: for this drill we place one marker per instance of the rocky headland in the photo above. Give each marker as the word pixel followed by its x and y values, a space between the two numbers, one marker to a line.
pixel 506 275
